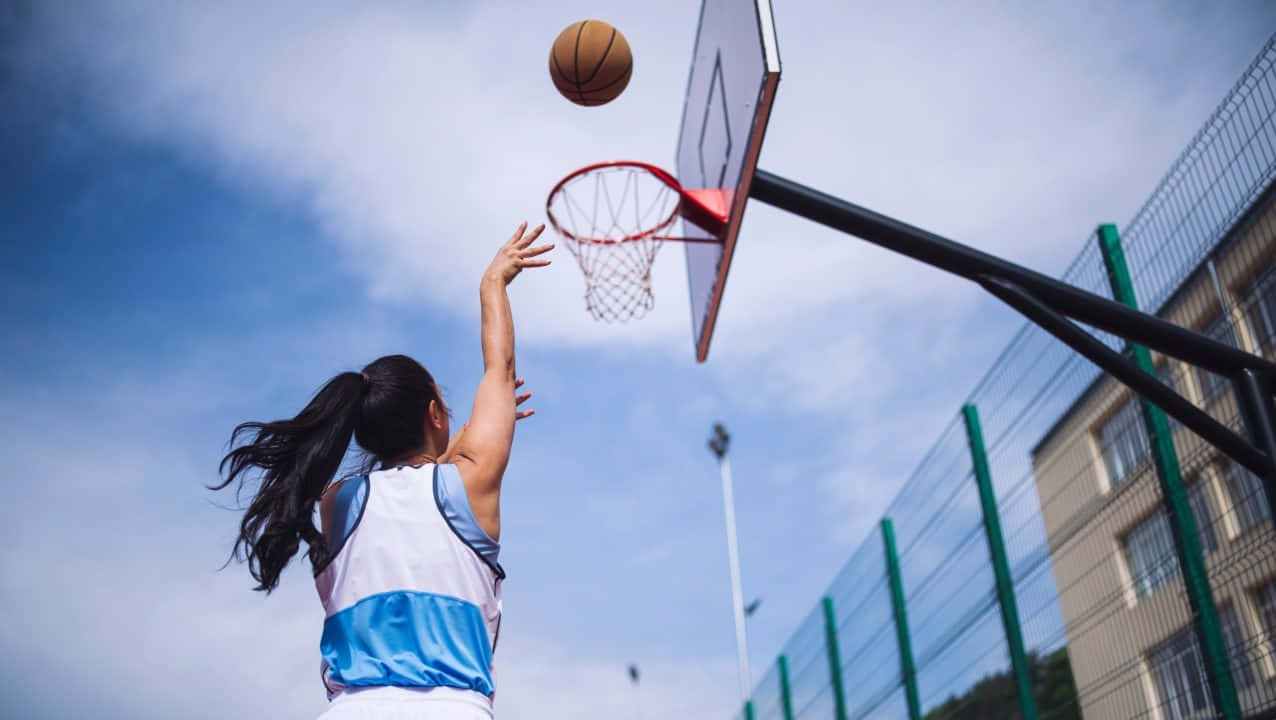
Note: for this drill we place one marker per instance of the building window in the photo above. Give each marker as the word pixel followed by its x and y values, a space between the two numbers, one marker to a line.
pixel 1180 677
pixel 1220 330
pixel 1246 493
pixel 1203 515
pixel 1149 547
pixel 1265 603
pixel 1149 552
pixel 1242 673
pixel 1124 442
pixel 1260 297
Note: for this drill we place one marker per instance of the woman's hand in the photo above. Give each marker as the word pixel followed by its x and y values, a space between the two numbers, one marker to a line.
pixel 519 400
pixel 518 415
pixel 517 253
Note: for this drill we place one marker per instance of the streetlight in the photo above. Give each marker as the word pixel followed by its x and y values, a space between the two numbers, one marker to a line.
pixel 718 444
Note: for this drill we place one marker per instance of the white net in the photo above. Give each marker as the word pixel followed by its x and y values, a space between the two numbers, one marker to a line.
pixel 614 219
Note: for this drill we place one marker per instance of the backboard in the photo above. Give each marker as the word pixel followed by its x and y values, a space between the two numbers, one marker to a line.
pixel 734 72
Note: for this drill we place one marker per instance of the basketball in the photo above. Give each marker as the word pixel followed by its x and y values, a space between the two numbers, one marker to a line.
pixel 590 62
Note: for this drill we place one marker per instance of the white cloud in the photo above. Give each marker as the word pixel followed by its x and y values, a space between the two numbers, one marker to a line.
pixel 419 136
pixel 417 140
pixel 543 680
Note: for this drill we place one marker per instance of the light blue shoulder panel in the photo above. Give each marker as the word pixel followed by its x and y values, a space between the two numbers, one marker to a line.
pixel 455 505
pixel 347 510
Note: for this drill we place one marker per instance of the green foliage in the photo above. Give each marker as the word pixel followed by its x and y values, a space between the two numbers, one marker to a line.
pixel 994 696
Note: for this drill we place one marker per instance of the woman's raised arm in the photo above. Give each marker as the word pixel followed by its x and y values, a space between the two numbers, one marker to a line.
pixel 483 448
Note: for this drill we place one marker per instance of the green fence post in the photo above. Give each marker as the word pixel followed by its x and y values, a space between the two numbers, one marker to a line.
pixel 1000 566
pixel 786 695
pixel 748 710
pixel 835 659
pixel 907 670
pixel 1187 544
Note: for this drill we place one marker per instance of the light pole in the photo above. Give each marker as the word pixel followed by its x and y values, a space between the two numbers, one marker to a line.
pixel 718 444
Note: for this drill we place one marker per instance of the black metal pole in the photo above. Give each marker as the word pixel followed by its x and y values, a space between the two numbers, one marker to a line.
pixel 1255 397
pixel 1127 372
pixel 1047 301
pixel 932 249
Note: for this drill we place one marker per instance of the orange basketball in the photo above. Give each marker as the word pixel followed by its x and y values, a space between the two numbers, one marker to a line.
pixel 590 62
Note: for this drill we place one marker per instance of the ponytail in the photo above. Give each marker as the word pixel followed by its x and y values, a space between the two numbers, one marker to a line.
pixel 298 458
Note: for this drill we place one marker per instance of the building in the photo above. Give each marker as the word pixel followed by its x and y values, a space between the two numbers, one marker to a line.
pixel 1130 637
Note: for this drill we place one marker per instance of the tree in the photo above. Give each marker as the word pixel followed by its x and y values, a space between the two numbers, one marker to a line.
pixel 994 696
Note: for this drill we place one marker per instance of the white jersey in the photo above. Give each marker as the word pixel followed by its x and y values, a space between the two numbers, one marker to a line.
pixel 412 592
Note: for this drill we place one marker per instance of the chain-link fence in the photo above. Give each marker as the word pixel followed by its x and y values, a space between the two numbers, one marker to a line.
pixel 1064 550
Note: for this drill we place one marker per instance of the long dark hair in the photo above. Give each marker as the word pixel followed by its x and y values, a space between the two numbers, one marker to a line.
pixel 383 408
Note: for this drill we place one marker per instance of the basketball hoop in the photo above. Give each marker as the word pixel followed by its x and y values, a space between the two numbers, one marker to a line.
pixel 614 217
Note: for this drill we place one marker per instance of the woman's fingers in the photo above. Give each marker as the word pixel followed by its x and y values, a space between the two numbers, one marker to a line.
pixel 525 257
pixel 519 400
pixel 518 233
pixel 534 251
pixel 513 255
pixel 522 240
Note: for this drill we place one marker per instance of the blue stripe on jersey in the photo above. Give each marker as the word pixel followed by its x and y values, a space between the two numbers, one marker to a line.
pixel 347 510
pixel 415 639
pixel 455 504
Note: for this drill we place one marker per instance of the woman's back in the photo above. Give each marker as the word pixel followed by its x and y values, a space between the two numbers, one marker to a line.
pixel 411 594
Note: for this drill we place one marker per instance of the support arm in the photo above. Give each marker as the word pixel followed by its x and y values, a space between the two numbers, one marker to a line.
pixel 932 249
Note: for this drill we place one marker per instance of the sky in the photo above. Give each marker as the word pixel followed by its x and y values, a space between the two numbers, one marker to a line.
pixel 207 210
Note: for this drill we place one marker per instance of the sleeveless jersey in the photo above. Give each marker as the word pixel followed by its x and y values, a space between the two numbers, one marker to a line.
pixel 412 591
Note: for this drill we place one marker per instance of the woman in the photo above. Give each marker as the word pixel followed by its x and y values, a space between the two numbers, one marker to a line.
pixel 406 559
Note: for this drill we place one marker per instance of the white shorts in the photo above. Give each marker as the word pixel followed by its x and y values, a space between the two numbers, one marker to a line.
pixel 399 703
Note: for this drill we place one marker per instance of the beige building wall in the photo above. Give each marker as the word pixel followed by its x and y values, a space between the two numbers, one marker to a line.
pixel 1111 629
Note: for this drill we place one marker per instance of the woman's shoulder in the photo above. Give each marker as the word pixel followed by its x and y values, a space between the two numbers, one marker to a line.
pixel 341 507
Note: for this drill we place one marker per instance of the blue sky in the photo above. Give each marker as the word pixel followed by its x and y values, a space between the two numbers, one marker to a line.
pixel 208 211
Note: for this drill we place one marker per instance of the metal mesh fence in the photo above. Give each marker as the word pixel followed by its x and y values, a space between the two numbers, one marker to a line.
pixel 866 631
pixel 808 657
pixel 1109 625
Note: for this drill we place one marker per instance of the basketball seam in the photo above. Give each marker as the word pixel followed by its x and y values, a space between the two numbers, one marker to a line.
pixel 576 60
pixel 601 60
pixel 623 76
pixel 559 67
